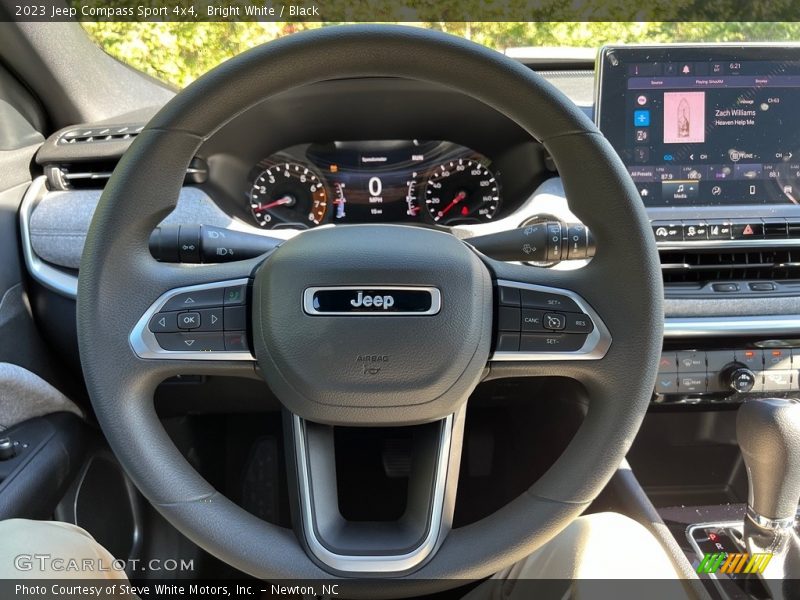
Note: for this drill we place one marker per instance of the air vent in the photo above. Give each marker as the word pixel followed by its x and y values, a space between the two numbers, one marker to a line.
pixel 94 174
pixel 93 135
pixel 702 266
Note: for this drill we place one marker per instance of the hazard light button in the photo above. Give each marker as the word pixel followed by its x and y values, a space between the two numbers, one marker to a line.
pixel 747 230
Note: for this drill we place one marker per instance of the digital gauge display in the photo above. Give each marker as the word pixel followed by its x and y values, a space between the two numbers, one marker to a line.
pixel 373 181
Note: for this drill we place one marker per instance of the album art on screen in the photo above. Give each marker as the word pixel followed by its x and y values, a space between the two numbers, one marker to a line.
pixel 684 117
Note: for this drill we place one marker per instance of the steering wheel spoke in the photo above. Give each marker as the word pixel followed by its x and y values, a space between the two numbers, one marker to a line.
pixel 427 455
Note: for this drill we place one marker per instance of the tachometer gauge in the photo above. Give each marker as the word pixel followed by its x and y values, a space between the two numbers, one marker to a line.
pixel 462 189
pixel 287 193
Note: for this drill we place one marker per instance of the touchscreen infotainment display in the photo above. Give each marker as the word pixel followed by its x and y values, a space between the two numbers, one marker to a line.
pixel 705 126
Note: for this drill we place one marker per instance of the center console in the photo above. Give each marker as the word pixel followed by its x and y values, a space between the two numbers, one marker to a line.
pixel 711 137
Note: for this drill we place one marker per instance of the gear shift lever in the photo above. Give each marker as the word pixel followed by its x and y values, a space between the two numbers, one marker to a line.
pixel 768 432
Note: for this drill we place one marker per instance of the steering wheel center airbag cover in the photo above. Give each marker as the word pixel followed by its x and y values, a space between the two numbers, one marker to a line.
pixel 372 323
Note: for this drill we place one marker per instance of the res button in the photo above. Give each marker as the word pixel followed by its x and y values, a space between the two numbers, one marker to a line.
pixel 578 324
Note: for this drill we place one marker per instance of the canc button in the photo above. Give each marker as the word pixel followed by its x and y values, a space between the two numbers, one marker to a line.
pixel 532 320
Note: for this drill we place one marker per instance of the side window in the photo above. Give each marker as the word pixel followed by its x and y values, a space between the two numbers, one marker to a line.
pixel 21 121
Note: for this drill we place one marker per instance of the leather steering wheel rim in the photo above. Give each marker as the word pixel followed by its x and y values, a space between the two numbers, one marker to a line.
pixel 622 283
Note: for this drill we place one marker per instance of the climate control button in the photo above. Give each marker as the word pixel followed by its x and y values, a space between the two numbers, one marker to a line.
pixel 741 379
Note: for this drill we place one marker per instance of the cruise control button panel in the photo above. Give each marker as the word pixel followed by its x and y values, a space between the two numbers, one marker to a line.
pixel 539 323
pixel 207 322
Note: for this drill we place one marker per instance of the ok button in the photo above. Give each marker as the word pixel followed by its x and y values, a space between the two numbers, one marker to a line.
pixel 189 320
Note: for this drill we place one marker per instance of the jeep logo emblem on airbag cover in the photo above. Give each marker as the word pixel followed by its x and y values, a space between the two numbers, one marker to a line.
pixel 378 301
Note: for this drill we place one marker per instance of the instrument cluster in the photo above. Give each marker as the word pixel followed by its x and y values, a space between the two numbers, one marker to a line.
pixel 434 182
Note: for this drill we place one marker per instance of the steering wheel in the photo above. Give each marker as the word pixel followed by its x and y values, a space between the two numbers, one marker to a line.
pixel 369 325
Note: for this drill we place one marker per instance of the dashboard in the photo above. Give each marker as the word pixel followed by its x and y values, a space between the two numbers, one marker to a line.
pixel 708 134
pixel 374 181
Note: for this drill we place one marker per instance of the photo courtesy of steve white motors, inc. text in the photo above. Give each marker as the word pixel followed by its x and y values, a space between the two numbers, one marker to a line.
pixel 100 589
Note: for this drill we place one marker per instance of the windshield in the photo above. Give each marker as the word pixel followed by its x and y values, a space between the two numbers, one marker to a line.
pixel 178 53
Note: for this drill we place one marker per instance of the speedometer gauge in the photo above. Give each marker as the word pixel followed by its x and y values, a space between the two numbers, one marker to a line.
pixel 288 193
pixel 462 189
